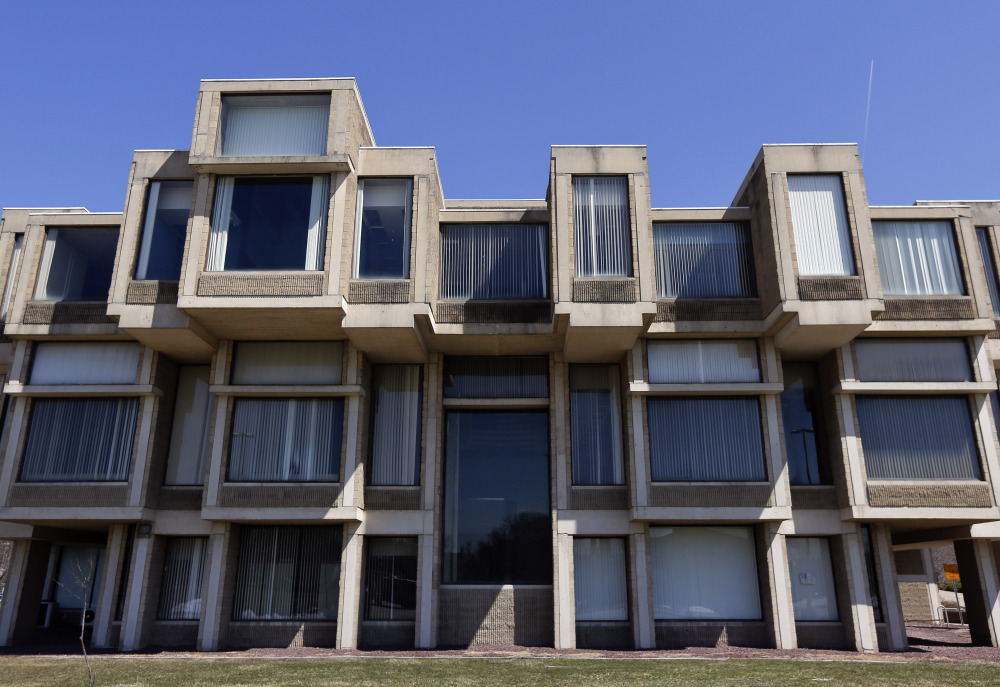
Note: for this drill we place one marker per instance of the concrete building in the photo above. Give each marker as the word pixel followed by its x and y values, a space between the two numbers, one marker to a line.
pixel 292 394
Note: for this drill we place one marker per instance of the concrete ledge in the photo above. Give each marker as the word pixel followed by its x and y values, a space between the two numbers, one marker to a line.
pixel 713 309
pixel 60 312
pixel 486 614
pixel 248 635
pixel 62 495
pixel 378 291
pixel 942 308
pixel 941 494
pixel 151 292
pixel 830 288
pixel 260 284
pixel 605 290
pixel 678 634
pixel 750 495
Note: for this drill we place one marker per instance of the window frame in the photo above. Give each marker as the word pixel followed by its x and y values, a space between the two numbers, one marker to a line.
pixel 408 228
pixel 544 262
pixel 851 252
pixel 367 578
pixel 223 121
pixel 147 227
pixel 957 248
pixel 628 259
pixel 50 244
pixel 747 272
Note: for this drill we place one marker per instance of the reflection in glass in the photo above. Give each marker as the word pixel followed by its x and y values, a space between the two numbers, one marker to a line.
pixel 814 595
pixel 805 436
pixel 913 360
pixel 77 264
pixel 391 578
pixel 383 246
pixel 164 230
pixel 990 266
pixel 498 527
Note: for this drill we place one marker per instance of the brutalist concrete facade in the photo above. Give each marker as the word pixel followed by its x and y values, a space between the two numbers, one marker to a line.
pixel 200 317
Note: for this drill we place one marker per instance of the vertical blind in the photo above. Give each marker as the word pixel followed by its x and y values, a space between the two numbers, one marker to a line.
pixel 288 362
pixel 917 258
pixel 396 419
pixel 596 424
pixel 286 440
pixel 819 222
pixel 288 573
pixel 702 361
pixel 913 360
pixel 989 265
pixel 391 578
pixel 382 246
pixel 76 440
pixel 599 578
pixel 104 362
pixel 494 261
pixel 699 439
pixel 703 260
pixel 275 124
pixel 814 594
pixel 496 377
pixel 181 584
pixel 918 437
pixel 704 573
pixel 12 272
pixel 602 235
pixel 189 435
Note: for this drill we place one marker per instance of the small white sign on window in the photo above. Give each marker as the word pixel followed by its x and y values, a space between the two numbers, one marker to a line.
pixel 807 578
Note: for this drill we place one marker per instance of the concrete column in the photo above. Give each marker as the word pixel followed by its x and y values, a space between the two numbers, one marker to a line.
pixel 644 626
pixel 892 605
pixel 565 595
pixel 861 617
pixel 350 588
pixel 25 583
pixel 113 567
pixel 425 592
pixel 135 600
pixel 778 588
pixel 211 617
pixel 980 587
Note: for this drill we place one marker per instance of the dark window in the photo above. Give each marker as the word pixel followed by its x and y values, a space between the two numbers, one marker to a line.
pixel 77 264
pixel 497 522
pixel 383 250
pixel 496 377
pixel 125 575
pixel 913 360
pixel 164 230
pixel 802 416
pixel 873 582
pixel 986 253
pixel 391 578
pixel 397 405
pixel 494 262
pixel 703 260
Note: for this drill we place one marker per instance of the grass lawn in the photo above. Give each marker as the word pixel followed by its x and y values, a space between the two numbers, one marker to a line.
pixel 30 671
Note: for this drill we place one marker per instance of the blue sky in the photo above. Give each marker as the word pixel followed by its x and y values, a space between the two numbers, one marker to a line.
pixel 493 85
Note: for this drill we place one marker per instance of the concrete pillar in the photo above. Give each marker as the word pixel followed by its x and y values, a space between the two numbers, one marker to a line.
pixel 564 596
pixel 644 625
pixel 861 617
pixel 777 604
pixel 892 604
pixel 218 563
pixel 980 585
pixel 425 592
pixel 350 588
pixel 113 569
pixel 25 586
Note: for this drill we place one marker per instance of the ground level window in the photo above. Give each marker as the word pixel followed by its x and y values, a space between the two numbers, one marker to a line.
pixel 814 595
pixel 599 576
pixel 391 578
pixel 181 584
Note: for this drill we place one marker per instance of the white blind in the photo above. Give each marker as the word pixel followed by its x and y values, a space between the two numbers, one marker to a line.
pixel 602 229
pixel 105 362
pixel 703 260
pixel 494 261
pixel 181 585
pixel 917 258
pixel 596 424
pixel 275 124
pixel 913 360
pixel 396 425
pixel 704 573
pixel 819 222
pixel 599 579
pixel 189 436
pixel 697 361
pixel 814 594
pixel 288 362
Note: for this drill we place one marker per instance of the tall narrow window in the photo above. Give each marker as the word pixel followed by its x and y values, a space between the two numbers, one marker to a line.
pixel 703 260
pixel 496 377
pixel 269 223
pixel 913 360
pixel 990 267
pixel 396 415
pixel 80 440
pixel 189 436
pixel 874 593
pixel 125 575
pixel 704 573
pixel 917 258
pixel 391 578
pixel 596 424
pixel 288 573
pixel 602 235
pixel 12 272
pixel 181 584
pixel 275 124
pixel 600 579
pixel 814 594
pixel 164 231
pixel 494 261
pixel 77 264
pixel 819 222
pixel 805 438
pixel 382 244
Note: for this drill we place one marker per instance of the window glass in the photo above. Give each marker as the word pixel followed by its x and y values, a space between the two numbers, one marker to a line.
pixel 286 124
pixel 77 264
pixel 397 405
pixel 703 361
pixel 165 230
pixel 288 362
pixel 382 250
pixel 183 574
pixel 917 258
pixel 913 360
pixel 391 578
pixel 697 439
pixel 819 222
pixel 918 437
pixel 990 267
pixel 106 362
pixel 805 435
pixel 704 573
pixel 596 424
pixel 814 594
pixel 496 377
pixel 497 522
pixel 874 594
pixel 126 573
pixel 286 440
pixel 600 579
pixel 703 260
pixel 189 435
pixel 602 230
pixel 494 261
pixel 12 272
pixel 269 223
pixel 80 440
pixel 77 578
pixel 288 573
